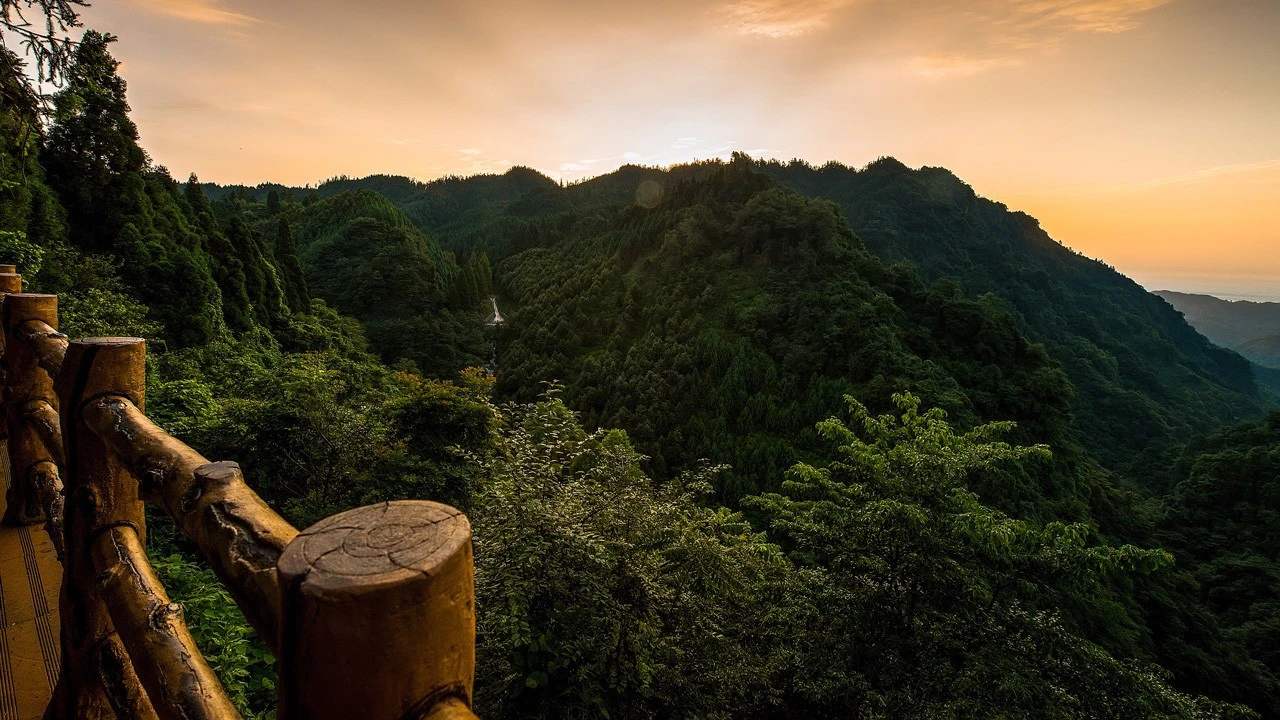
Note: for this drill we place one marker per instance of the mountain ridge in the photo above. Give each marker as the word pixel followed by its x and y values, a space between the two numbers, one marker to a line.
pixel 1250 327
pixel 1089 314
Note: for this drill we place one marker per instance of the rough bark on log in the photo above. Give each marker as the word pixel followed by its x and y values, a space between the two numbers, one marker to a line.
pixel 27 382
pixel 48 345
pixel 98 679
pixel 178 681
pixel 46 486
pixel 378 614
pixel 238 534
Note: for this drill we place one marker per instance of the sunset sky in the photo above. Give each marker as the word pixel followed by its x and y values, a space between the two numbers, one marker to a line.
pixel 1142 132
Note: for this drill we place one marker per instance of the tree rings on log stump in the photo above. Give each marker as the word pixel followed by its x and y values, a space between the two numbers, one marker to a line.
pixel 378 613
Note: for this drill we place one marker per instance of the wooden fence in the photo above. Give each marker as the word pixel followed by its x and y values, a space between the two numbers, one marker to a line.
pixel 370 613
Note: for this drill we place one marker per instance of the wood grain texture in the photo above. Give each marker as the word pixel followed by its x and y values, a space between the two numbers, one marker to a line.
pixel 383 593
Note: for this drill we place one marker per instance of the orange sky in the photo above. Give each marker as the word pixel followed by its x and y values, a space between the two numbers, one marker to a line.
pixel 1143 132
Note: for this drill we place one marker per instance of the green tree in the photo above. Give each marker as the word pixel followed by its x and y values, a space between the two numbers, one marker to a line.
pixel 609 595
pixel 933 604
pixel 40 27
pixel 92 146
pixel 295 282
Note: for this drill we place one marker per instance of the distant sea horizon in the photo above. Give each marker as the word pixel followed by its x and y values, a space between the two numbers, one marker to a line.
pixel 1224 287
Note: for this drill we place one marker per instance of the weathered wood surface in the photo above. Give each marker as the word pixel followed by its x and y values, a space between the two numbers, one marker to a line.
pixel 383 593
pixel 32 354
pixel 178 681
pixel 371 612
pixel 98 679
pixel 238 534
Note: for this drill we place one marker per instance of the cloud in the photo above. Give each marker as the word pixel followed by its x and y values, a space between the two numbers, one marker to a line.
pixel 779 18
pixel 974 37
pixel 1211 173
pixel 208 12
pixel 1098 16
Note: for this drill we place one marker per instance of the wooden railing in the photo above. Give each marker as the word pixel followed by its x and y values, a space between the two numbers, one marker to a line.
pixel 370 613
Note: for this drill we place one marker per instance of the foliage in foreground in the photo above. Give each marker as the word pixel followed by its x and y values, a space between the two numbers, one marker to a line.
pixel 874 583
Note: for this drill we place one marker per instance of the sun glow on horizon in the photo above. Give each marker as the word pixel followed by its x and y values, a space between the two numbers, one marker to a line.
pixel 1138 131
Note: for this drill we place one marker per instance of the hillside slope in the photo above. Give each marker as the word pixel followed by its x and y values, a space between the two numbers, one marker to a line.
pixel 1146 379
pixel 1264 350
pixel 721 323
pixel 1250 328
pixel 362 255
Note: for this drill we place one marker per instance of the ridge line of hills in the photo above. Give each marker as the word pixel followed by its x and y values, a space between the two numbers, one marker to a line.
pixel 934 221
pixel 1249 327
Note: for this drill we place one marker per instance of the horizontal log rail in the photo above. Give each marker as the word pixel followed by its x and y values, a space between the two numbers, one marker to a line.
pixel 235 531
pixel 370 613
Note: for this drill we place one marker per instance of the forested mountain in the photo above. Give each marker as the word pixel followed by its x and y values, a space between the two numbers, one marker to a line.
pixel 362 255
pixel 884 542
pixel 713 312
pixel 1132 360
pixel 1250 328
pixel 1145 379
pixel 720 323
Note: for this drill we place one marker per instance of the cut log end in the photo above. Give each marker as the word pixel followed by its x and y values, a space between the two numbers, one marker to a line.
pixel 21 307
pixel 103 365
pixel 10 282
pixel 369 547
pixel 384 592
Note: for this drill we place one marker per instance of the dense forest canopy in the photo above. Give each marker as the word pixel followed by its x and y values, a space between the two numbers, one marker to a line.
pixel 764 440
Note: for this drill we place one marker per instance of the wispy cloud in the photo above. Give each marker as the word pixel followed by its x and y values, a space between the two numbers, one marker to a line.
pixel 1240 174
pixel 208 12
pixel 1100 16
pixel 1209 173
pixel 984 35
pixel 779 18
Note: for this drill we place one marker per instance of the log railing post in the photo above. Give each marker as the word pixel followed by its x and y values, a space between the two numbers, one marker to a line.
pixel 34 492
pixel 378 615
pixel 371 613
pixel 98 679
pixel 10 282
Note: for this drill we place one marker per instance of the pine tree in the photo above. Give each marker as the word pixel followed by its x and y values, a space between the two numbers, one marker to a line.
pixel 92 145
pixel 295 282
pixel 255 272
pixel 93 161
pixel 228 268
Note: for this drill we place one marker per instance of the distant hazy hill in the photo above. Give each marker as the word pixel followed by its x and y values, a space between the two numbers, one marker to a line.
pixel 1264 351
pixel 1250 328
